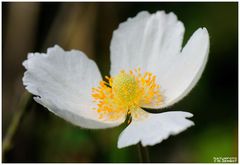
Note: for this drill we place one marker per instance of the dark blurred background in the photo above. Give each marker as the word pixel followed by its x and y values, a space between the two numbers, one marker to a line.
pixel 44 137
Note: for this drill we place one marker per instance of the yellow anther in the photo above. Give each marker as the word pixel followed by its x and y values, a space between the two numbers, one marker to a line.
pixel 124 93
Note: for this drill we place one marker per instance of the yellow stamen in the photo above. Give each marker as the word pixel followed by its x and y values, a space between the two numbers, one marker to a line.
pixel 126 93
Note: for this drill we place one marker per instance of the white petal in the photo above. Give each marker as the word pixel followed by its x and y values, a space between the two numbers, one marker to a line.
pixel 153 43
pixel 62 81
pixel 155 128
pixel 140 40
pixel 181 73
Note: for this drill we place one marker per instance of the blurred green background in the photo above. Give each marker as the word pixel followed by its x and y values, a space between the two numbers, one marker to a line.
pixel 43 137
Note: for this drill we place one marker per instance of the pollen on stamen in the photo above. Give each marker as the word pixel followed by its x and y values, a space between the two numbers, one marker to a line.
pixel 122 94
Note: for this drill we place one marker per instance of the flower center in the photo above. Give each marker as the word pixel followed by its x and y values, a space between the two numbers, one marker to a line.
pixel 126 89
pixel 126 93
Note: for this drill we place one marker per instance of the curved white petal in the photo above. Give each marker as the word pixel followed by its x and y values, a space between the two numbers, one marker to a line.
pixel 155 128
pixel 153 42
pixel 62 81
pixel 181 73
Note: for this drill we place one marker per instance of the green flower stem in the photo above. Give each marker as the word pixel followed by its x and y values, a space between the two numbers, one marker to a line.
pixel 143 154
pixel 24 104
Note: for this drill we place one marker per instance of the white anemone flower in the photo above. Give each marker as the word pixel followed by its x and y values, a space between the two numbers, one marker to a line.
pixel 149 70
